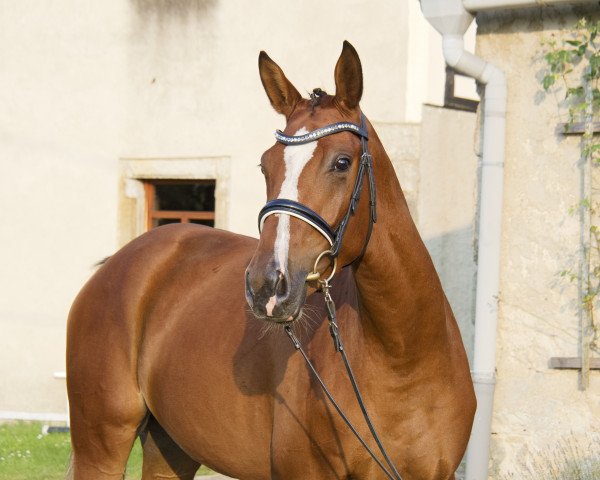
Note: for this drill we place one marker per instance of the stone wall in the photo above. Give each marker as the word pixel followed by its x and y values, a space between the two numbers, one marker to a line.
pixel 536 408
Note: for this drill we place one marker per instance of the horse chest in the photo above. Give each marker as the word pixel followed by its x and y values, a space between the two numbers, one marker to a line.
pixel 308 435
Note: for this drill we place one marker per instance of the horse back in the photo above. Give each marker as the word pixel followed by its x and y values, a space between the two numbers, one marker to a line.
pixel 111 308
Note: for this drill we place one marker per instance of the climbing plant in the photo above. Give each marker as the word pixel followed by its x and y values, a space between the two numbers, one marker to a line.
pixel 574 64
pixel 572 74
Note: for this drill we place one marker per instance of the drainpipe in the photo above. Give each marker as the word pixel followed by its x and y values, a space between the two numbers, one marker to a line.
pixel 450 18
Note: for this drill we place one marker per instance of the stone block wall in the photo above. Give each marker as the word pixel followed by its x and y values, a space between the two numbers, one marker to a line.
pixel 536 408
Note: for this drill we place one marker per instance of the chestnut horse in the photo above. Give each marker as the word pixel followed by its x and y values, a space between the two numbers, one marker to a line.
pixel 161 342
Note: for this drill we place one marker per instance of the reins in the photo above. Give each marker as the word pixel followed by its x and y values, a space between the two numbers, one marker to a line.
pixel 339 347
pixel 334 237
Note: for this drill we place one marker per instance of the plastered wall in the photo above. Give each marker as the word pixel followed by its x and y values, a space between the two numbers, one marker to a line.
pixel 61 87
pixel 87 86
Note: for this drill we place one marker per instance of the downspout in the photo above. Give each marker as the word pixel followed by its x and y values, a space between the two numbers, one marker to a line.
pixel 451 19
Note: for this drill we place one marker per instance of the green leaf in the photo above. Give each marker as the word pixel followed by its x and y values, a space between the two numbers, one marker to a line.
pixel 588 299
pixel 557 59
pixel 575 92
pixel 548 81
pixel 594 148
pixel 595 65
pixel 585 203
pixel 564 56
pixel 550 57
pixel 575 43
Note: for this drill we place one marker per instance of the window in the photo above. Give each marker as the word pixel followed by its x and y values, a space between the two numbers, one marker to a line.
pixel 179 201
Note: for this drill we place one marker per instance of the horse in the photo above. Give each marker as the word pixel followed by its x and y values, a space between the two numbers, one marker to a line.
pixel 181 337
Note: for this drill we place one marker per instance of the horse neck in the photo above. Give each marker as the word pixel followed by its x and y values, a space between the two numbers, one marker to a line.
pixel 403 307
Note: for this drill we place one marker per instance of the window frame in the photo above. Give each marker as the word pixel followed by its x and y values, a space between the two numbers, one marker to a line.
pixel 184 216
pixel 135 171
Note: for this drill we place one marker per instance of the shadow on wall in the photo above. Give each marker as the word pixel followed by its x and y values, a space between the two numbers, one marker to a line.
pixel 544 18
pixel 453 254
pixel 180 9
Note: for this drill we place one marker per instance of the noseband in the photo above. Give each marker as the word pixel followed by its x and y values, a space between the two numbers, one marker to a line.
pixel 334 235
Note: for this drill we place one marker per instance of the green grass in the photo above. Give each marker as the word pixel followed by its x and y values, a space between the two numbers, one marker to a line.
pixel 26 454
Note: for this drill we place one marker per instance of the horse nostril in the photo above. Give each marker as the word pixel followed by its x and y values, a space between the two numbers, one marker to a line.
pixel 249 291
pixel 281 287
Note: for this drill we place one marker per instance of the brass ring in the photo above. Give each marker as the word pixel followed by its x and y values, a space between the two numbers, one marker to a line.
pixel 315 275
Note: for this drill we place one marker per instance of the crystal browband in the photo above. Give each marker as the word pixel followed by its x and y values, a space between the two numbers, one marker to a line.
pixel 320 133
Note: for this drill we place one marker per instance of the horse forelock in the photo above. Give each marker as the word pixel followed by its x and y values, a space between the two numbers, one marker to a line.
pixel 316 97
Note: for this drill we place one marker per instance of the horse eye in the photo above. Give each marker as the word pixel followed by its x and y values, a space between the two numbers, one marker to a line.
pixel 262 169
pixel 342 164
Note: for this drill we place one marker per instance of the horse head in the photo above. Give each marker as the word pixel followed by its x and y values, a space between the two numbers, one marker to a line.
pixel 313 174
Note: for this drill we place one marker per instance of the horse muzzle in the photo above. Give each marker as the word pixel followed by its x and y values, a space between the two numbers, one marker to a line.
pixel 275 296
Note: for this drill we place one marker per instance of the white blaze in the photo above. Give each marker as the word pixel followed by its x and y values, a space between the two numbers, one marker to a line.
pixel 295 157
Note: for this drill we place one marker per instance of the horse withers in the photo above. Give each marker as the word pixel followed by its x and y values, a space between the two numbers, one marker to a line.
pixel 162 345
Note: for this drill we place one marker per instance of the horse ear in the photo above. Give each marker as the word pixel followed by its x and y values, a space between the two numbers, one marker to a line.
pixel 282 94
pixel 348 77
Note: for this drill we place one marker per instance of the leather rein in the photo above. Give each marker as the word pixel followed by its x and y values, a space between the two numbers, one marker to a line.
pixel 334 237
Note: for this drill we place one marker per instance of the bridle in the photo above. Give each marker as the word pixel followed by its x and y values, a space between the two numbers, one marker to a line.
pixel 334 237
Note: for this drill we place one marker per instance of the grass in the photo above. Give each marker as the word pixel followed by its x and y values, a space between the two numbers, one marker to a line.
pixel 27 454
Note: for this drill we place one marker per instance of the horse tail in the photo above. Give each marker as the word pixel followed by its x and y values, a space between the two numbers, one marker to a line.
pixel 69 474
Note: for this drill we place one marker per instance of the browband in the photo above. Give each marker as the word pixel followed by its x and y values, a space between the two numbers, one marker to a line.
pixel 320 133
